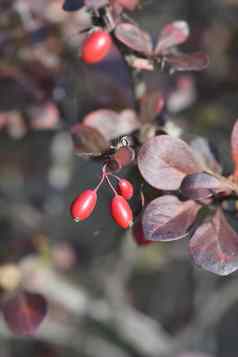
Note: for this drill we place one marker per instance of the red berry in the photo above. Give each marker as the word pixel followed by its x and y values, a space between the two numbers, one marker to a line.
pixel 96 46
pixel 83 205
pixel 125 188
pixel 121 211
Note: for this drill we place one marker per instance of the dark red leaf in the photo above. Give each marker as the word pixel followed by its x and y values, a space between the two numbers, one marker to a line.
pixel 234 146
pixel 187 62
pixel 88 140
pixel 172 35
pixel 202 185
pixel 24 312
pixel 164 161
pixel 167 218
pixel 111 124
pixel 134 38
pixel 214 246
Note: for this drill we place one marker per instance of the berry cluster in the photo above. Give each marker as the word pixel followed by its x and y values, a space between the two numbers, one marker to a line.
pixel 84 204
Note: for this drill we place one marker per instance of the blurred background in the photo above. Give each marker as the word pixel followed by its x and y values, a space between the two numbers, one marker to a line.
pixel 109 294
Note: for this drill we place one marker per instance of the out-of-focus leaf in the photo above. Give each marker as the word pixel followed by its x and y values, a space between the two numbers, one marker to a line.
pixel 204 155
pixel 187 62
pixel 167 218
pixel 72 5
pixel 214 246
pixel 24 312
pixel 22 87
pixel 164 161
pixel 203 185
pixel 183 95
pixel 111 124
pixel 172 35
pixel 234 146
pixel 88 140
pixel 45 116
pixel 134 38
pixel 151 105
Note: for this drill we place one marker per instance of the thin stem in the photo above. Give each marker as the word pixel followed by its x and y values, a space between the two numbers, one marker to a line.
pixel 111 186
pixel 101 181
pixel 132 73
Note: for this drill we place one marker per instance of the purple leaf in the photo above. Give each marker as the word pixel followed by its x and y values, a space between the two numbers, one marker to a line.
pixel 134 38
pixel 166 218
pixel 24 312
pixel 172 35
pixel 202 185
pixel 111 124
pixel 187 62
pixel 164 161
pixel 214 246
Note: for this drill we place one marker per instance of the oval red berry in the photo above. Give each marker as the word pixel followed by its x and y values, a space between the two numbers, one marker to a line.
pixel 121 211
pixel 83 205
pixel 96 46
pixel 125 188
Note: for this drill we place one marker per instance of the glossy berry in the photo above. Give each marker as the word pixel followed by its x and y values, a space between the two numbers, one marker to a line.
pixel 96 46
pixel 121 211
pixel 83 205
pixel 125 189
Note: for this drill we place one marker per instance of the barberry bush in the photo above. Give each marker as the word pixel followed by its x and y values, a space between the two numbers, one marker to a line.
pixel 88 86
